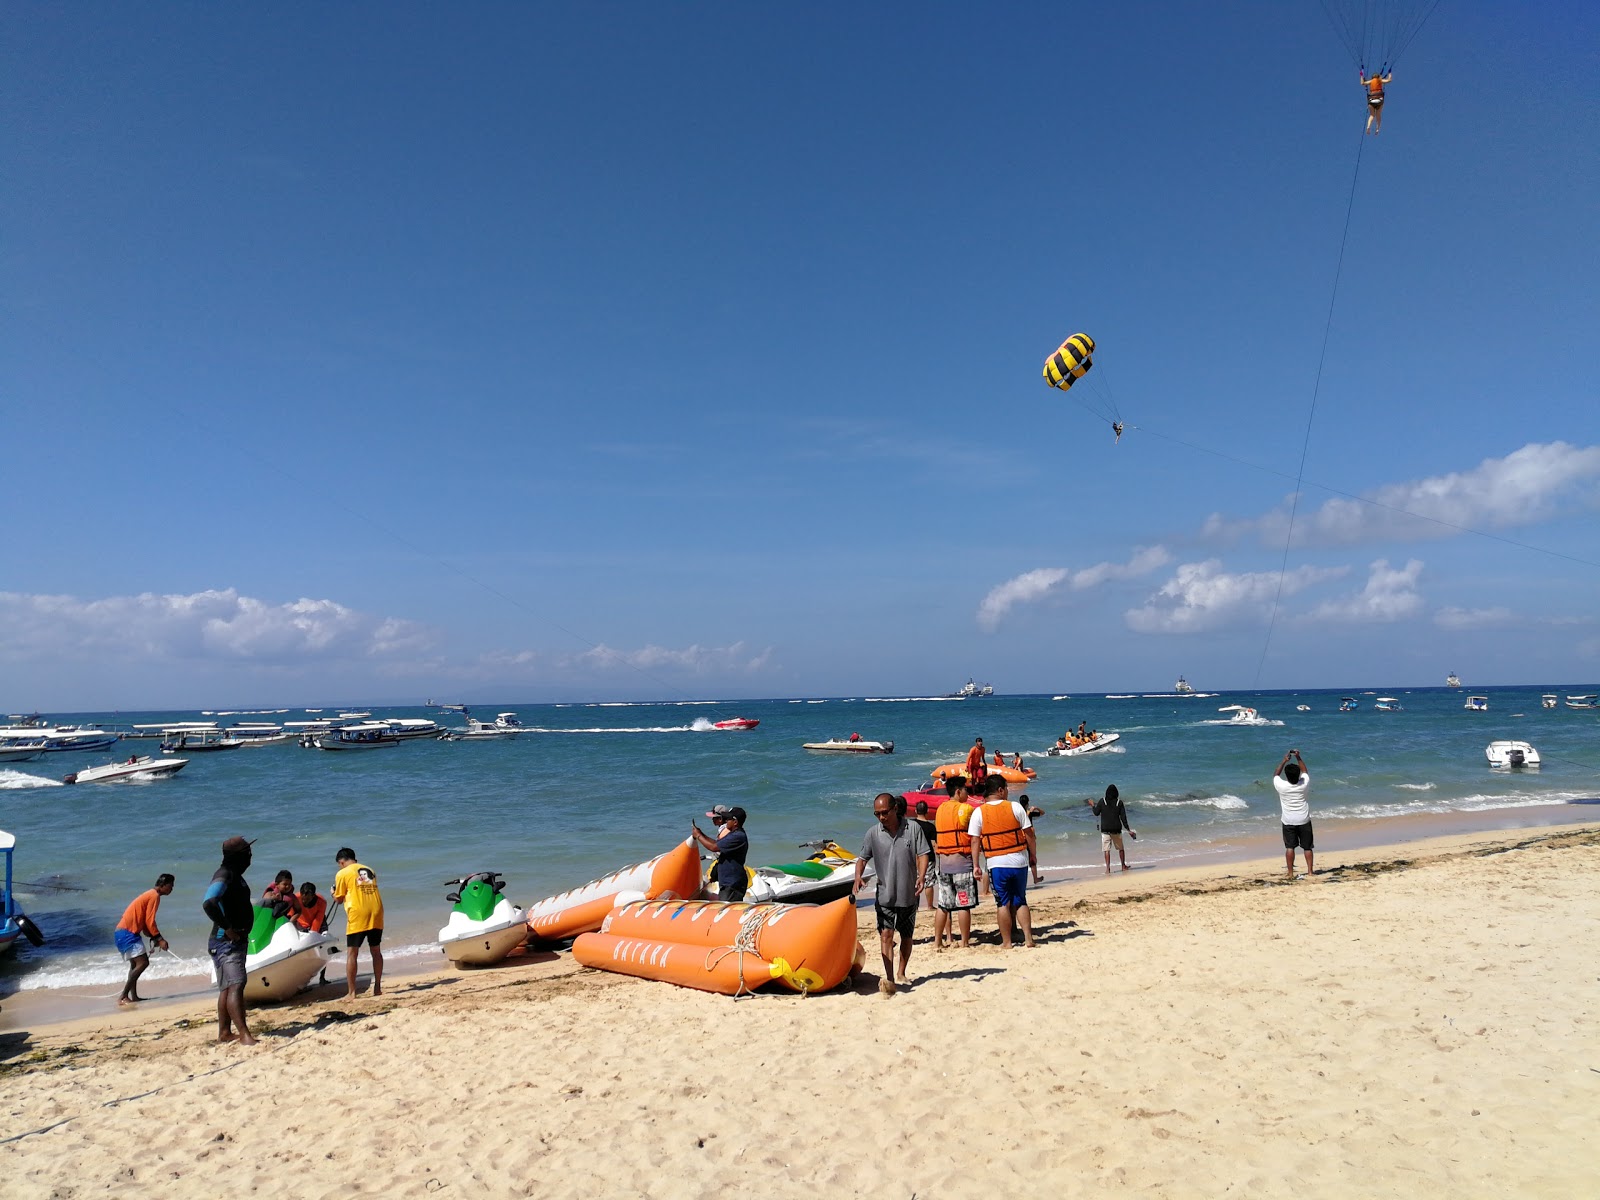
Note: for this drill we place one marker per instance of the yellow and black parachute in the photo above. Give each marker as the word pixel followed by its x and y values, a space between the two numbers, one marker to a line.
pixel 1070 362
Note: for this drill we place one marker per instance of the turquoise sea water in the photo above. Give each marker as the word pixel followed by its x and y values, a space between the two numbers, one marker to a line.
pixel 593 787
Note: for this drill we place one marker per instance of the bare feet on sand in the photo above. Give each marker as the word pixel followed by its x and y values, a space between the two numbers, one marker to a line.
pixel 886 987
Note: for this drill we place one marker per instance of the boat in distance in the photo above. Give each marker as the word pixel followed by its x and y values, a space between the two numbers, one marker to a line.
pixel 736 723
pixel 1087 746
pixel 855 744
pixel 1477 704
pixel 1511 754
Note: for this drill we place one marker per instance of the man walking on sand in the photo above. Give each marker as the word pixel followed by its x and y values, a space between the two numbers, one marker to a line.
pixel 356 887
pixel 1003 829
pixel 898 851
pixel 139 922
pixel 1292 781
pixel 227 903
pixel 1113 820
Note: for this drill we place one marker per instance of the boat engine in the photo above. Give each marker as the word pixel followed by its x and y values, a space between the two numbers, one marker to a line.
pixel 1516 758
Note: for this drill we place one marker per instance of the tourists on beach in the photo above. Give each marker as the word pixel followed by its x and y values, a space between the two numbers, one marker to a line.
pixel 929 831
pixel 1113 816
pixel 356 887
pixel 977 767
pixel 955 882
pixel 312 914
pixel 1002 829
pixel 138 923
pixel 898 851
pixel 227 903
pixel 731 845
pixel 1292 781
pixel 280 896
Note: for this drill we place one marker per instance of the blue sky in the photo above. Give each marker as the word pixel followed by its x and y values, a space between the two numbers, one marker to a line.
pixel 538 352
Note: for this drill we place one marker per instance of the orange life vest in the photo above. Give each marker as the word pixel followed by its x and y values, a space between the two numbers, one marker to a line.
pixel 951 823
pixel 1002 832
pixel 314 917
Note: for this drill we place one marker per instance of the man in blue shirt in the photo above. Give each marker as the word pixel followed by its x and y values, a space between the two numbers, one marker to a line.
pixel 227 903
pixel 730 848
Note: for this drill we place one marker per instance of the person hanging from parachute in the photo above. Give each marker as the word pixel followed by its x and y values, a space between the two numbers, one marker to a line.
pixel 1070 363
pixel 1374 85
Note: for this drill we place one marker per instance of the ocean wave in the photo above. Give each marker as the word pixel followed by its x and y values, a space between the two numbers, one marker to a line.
pixel 1438 807
pixel 615 729
pixel 1227 802
pixel 101 970
pixel 1416 787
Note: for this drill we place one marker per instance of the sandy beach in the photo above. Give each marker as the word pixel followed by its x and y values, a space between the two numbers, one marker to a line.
pixel 1415 1019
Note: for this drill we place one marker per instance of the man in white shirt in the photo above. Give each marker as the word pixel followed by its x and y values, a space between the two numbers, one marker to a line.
pixel 1292 782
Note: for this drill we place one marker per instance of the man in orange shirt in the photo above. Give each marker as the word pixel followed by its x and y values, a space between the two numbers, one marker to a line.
pixel 138 923
pixel 1374 85
pixel 977 767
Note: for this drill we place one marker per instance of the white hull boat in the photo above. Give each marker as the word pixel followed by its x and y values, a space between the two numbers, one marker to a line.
pixel 406 728
pixel 484 926
pixel 288 962
pixel 143 767
pixel 1509 754
pixel 846 746
pixel 1548 700
pixel 1243 715
pixel 1583 701
pixel 1477 704
pixel 1387 704
pixel 20 751
pixel 1098 742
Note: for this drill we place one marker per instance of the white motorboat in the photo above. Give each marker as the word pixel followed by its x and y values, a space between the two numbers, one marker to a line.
pixel 1302 708
pixel 1242 715
pixel 406 728
pixel 1387 704
pixel 1452 681
pixel 193 739
pixel 508 720
pixel 1511 754
pixel 1548 700
pixel 365 735
pixel 1183 687
pixel 851 745
pixel 1587 701
pixel 20 750
pixel 1477 704
pixel 140 767
pixel 1348 704
pixel 484 926
pixel 1099 742
pixel 477 730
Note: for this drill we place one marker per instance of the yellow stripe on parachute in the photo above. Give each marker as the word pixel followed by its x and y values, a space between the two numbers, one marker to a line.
pixel 1070 362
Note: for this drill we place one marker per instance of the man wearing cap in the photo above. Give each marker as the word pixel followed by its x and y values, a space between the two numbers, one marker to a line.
pixel 227 903
pixel 898 851
pixel 1003 830
pixel 730 846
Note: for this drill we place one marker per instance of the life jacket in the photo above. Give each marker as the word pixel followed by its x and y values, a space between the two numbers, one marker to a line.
pixel 951 823
pixel 1002 832
pixel 312 917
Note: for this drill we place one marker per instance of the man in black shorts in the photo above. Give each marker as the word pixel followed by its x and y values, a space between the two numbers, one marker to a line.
pixel 898 851
pixel 1292 781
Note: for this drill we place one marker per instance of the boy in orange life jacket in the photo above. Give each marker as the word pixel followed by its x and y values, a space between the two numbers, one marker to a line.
pixel 1003 830
pixel 955 881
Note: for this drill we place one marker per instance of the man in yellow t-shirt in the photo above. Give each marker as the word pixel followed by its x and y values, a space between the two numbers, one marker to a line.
pixel 356 887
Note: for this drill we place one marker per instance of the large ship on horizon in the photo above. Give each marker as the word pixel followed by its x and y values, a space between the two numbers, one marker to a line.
pixel 1453 680
pixel 971 690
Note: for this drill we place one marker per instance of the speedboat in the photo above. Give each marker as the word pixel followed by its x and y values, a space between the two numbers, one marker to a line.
pixel 1477 704
pixel 736 723
pixel 1511 754
pixel 198 740
pixel 1387 704
pixel 1088 746
pixel 281 958
pixel 1452 681
pixel 142 767
pixel 14 923
pixel 1183 687
pixel 1242 715
pixel 851 745
pixel 1348 704
pixel 1302 708
pixel 1548 700
pixel 508 720
pixel 828 874
pixel 484 926
pixel 366 735
pixel 477 730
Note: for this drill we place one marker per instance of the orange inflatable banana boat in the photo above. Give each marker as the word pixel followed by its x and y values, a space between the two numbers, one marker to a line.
pixel 673 875
pixel 728 948
pixel 1015 776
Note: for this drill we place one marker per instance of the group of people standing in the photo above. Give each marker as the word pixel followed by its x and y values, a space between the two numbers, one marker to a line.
pixel 227 903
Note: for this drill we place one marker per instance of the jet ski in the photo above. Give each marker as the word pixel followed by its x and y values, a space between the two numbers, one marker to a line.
pixel 484 926
pixel 281 958
pixel 828 874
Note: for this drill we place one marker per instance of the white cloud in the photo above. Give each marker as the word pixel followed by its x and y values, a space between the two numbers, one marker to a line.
pixel 697 659
pixel 1201 597
pixel 1535 483
pixel 218 625
pixel 1035 585
pixel 1390 595
pixel 1464 619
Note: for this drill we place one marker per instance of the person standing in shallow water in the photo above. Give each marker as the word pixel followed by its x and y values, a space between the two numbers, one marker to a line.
pixel 227 903
pixel 1292 782
pixel 1113 820
pixel 138 923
